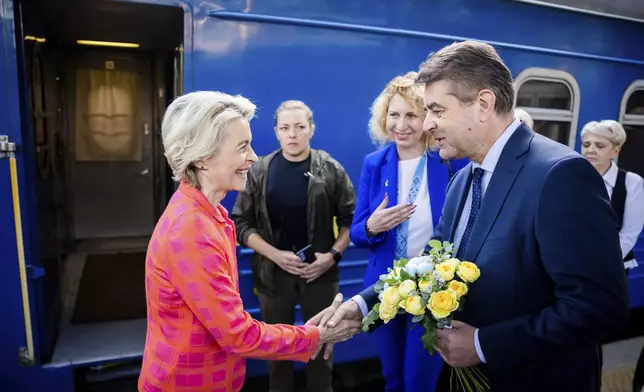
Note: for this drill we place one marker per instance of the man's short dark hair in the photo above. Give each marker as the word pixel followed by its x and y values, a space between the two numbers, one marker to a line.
pixel 471 66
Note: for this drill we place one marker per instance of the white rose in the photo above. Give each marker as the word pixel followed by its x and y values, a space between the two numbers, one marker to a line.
pixel 412 270
pixel 425 268
pixel 420 260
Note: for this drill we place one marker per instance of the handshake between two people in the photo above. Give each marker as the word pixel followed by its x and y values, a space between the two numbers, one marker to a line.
pixel 337 323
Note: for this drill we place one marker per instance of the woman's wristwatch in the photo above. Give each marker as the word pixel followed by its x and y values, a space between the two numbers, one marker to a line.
pixel 337 256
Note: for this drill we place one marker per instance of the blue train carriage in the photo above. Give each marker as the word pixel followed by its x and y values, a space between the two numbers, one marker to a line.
pixel 84 85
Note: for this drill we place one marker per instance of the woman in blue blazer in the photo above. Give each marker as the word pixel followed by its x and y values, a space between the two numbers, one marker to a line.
pixel 400 198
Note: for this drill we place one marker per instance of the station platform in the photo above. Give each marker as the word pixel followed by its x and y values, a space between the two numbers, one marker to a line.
pixel 620 359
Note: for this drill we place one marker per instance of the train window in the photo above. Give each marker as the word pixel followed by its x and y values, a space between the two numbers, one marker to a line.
pixel 635 103
pixel 551 97
pixel 544 94
pixel 632 118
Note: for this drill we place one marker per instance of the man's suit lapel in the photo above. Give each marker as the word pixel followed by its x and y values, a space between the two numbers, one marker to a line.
pixel 506 171
pixel 461 187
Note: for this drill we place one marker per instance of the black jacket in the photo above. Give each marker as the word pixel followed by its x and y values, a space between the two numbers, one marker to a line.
pixel 330 195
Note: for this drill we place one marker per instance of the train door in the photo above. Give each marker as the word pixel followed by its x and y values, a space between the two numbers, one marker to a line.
pixel 111 154
pixel 94 97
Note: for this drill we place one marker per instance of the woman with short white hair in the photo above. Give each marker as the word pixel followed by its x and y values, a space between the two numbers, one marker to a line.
pixel 198 334
pixel 601 142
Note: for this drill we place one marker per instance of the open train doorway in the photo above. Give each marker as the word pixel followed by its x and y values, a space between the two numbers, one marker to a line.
pixel 98 76
pixel 111 151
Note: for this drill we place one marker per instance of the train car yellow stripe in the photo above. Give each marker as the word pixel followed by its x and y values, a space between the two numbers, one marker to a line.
pixel 21 258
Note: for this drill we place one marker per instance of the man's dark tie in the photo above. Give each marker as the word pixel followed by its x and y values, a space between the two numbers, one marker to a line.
pixel 477 195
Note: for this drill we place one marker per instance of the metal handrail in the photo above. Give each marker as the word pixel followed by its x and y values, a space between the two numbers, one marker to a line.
pixel 27 356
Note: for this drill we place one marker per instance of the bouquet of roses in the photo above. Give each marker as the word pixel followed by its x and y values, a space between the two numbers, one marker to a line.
pixel 430 287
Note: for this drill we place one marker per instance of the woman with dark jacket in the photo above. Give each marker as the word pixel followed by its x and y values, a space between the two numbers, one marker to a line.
pixel 290 201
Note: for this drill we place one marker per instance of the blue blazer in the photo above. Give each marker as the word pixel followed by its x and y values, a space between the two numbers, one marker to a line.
pixel 552 284
pixel 379 176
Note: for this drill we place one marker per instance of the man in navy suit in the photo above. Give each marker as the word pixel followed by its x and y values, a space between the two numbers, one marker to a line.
pixel 536 219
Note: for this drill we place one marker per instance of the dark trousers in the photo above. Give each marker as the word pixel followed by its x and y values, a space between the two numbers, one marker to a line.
pixel 280 309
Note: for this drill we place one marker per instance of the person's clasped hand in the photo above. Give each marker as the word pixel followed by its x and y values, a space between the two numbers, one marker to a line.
pixel 341 332
pixel 322 263
pixel 289 262
pixel 338 321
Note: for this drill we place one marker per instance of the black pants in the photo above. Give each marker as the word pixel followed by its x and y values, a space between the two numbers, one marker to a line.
pixel 280 309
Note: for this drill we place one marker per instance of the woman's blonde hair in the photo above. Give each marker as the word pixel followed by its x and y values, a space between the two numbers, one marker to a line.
pixel 406 87
pixel 610 130
pixel 194 126
pixel 294 104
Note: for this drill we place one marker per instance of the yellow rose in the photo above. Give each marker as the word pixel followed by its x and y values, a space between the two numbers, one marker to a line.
pixel 424 284
pixel 467 271
pixel 454 262
pixel 442 303
pixel 387 312
pixel 413 305
pixel 445 270
pixel 458 288
pixel 391 297
pixel 406 288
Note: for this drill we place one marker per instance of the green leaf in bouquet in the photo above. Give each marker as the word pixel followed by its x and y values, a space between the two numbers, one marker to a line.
pixel 429 322
pixel 404 275
pixel 429 338
pixel 391 282
pixel 418 318
pixel 435 244
pixel 371 318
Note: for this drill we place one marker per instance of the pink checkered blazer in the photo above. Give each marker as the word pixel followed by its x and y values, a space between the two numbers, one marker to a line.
pixel 198 333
